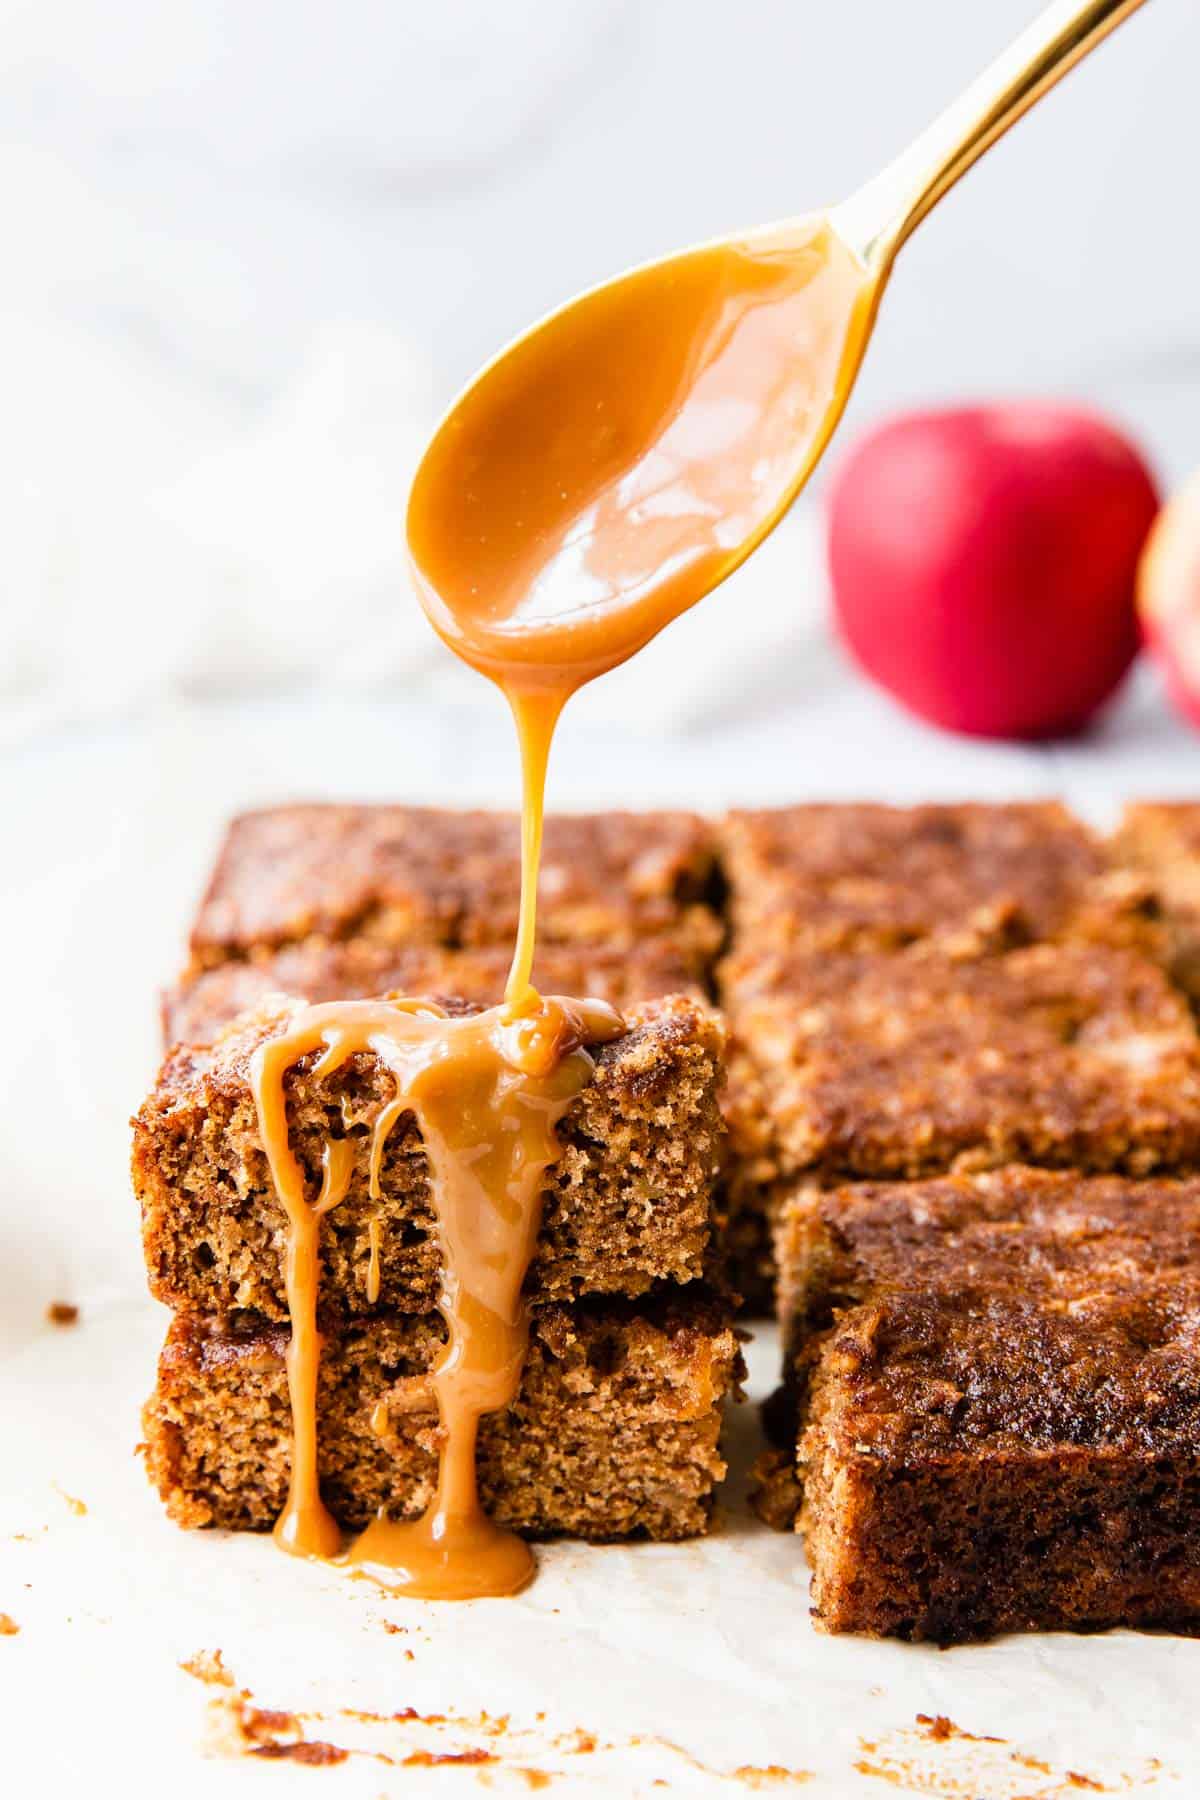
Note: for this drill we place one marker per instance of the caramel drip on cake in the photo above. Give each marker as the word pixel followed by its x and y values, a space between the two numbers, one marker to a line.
pixel 374 1266
pixel 487 1092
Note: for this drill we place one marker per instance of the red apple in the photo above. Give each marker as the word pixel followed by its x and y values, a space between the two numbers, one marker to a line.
pixel 984 560
pixel 1169 596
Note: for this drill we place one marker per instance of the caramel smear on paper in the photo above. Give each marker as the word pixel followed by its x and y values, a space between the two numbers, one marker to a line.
pixel 938 1759
pixel 409 1738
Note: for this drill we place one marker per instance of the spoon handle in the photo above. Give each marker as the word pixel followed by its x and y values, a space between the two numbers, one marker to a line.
pixel 876 220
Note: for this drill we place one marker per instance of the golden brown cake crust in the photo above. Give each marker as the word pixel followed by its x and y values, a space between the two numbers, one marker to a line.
pixel 614 1432
pixel 403 875
pixel 1067 1055
pixel 1056 1234
pixel 872 878
pixel 1006 1360
pixel 629 1202
pixel 867 886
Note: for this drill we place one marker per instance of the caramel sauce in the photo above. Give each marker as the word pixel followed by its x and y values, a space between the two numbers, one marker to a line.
pixel 487 1092
pixel 375 1265
pixel 598 479
pixel 615 464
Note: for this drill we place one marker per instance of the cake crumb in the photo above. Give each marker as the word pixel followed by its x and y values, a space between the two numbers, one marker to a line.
pixel 62 1312
pixel 208 1665
pixel 73 1505
pixel 431 1759
pixel 770 1775
pixel 8 1625
pixel 972 1764
pixel 938 1728
pixel 268 1722
pixel 311 1751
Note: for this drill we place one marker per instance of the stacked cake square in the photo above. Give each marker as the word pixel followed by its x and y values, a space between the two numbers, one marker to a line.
pixel 615 1430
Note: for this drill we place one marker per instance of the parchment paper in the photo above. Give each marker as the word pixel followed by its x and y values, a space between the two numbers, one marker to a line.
pixel 692 1669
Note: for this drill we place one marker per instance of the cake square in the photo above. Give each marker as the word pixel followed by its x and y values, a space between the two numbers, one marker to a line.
pixel 628 1204
pixel 614 1432
pixel 403 874
pixel 994 1389
pixel 1060 1054
pixel 871 878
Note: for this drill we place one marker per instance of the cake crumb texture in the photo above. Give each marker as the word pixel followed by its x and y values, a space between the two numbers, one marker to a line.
pixel 629 1203
pixel 614 1432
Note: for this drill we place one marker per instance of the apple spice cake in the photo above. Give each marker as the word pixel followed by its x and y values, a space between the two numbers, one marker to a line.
pixel 1029 1030
pixel 616 1427
pixel 1062 1054
pixel 871 878
pixel 865 884
pixel 615 1430
pixel 629 1203
pixel 992 1401
pixel 868 1064
pixel 401 875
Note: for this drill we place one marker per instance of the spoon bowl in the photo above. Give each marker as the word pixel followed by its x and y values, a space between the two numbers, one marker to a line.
pixel 632 448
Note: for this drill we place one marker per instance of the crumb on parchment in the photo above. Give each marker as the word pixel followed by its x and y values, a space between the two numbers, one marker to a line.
pixel 208 1665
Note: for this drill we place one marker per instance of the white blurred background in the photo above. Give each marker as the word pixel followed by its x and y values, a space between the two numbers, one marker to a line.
pixel 250 250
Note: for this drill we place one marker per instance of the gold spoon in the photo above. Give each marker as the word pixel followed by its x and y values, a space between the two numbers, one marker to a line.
pixel 625 455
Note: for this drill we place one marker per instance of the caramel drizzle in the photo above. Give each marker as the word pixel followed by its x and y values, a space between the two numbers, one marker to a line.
pixel 374 1267
pixel 535 713
pixel 487 1092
